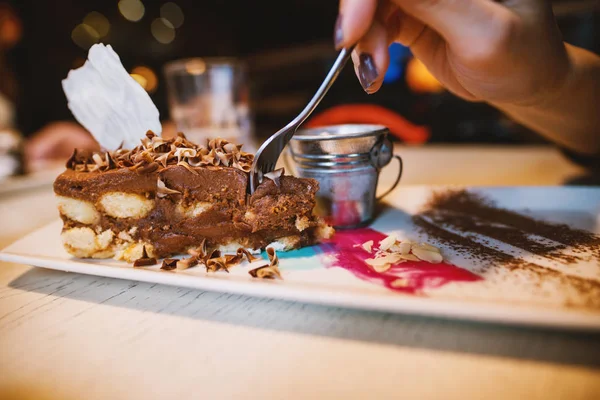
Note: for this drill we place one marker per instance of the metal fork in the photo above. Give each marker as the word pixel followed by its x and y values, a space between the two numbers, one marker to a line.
pixel 267 155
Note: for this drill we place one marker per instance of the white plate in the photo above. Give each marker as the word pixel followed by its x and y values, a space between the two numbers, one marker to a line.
pixel 311 275
pixel 30 181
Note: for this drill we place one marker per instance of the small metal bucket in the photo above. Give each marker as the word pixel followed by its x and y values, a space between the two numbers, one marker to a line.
pixel 346 160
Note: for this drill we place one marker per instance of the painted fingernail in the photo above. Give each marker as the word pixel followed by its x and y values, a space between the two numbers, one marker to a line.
pixel 367 71
pixel 338 34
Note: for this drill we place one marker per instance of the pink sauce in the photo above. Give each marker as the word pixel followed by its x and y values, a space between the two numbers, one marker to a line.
pixel 340 252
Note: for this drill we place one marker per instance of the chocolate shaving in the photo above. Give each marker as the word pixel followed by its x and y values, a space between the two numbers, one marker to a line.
pixel 148 168
pixel 270 271
pixel 188 167
pixel 163 191
pixel 265 272
pixel 241 252
pixel 213 254
pixel 110 162
pixel 272 254
pixel 72 161
pixel 186 263
pixel 200 251
pixel 144 261
pixel 156 152
pixel 216 264
pixel 169 264
pixel 275 176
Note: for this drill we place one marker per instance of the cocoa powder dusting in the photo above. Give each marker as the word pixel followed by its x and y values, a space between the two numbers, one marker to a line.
pixel 472 214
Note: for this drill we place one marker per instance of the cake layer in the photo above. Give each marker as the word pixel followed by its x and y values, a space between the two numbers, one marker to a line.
pixel 112 210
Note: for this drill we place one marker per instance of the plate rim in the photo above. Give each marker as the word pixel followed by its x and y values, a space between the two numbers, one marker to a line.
pixel 506 313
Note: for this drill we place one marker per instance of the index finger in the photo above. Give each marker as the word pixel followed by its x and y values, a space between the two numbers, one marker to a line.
pixel 354 20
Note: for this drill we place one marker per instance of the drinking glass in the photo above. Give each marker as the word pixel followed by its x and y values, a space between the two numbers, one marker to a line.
pixel 208 98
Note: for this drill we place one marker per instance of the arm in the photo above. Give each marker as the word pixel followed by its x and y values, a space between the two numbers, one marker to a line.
pixel 570 117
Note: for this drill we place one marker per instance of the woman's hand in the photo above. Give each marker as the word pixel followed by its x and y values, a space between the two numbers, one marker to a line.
pixel 505 51
pixel 55 143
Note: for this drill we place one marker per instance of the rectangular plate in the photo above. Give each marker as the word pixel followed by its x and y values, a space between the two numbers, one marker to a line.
pixel 553 294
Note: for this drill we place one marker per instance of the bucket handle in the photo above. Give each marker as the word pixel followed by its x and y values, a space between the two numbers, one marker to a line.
pixel 397 157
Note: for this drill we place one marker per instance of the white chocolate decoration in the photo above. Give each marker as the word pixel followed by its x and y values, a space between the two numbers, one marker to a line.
pixel 108 102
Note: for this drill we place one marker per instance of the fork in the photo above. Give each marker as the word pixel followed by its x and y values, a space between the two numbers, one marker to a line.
pixel 267 155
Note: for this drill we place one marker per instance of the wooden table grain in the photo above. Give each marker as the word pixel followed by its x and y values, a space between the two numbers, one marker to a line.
pixel 69 336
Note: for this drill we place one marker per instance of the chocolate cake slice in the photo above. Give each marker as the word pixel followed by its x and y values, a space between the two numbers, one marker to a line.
pixel 169 196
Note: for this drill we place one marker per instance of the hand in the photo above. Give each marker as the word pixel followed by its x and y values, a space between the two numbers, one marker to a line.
pixel 55 143
pixel 504 52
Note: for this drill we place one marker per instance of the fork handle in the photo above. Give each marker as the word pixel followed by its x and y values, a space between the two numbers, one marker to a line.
pixel 335 70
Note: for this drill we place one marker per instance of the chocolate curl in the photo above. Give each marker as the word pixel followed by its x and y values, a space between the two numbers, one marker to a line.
pixel 147 168
pixel 275 176
pixel 241 252
pixel 188 167
pixel 187 263
pixel 270 271
pixel 72 161
pixel 216 264
pixel 144 261
pixel 163 191
pixel 169 264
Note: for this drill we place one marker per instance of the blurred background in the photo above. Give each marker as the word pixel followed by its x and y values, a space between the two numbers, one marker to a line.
pixel 287 46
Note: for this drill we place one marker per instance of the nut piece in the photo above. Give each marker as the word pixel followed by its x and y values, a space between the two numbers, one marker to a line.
pixel 78 210
pixel 388 242
pixel 426 255
pixel 383 263
pixel 427 246
pixel 402 248
pixel 392 252
pixel 398 283
pixel 126 205
pixel 409 257
pixel 368 246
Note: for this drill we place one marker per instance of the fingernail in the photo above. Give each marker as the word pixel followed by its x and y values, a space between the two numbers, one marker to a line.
pixel 367 71
pixel 338 34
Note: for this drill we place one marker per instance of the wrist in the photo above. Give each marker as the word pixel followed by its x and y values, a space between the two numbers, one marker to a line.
pixel 558 82
pixel 568 114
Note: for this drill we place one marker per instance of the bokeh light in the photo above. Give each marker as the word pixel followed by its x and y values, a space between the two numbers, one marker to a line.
pixel 172 13
pixel 163 31
pixel 147 76
pixel 140 79
pixel 78 62
pixel 11 28
pixel 99 22
pixel 85 36
pixel 419 79
pixel 132 10
pixel 195 67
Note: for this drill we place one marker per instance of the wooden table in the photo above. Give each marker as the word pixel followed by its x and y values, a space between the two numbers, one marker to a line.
pixel 68 336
